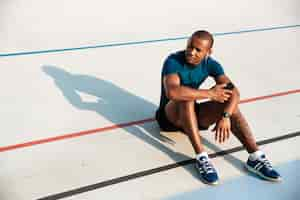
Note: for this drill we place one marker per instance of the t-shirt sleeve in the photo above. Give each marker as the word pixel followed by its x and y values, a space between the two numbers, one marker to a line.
pixel 215 69
pixel 170 66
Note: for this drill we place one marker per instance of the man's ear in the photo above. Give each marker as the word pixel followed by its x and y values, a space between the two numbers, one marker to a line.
pixel 189 41
pixel 209 52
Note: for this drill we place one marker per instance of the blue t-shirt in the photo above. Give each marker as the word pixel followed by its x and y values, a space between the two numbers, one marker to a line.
pixel 190 76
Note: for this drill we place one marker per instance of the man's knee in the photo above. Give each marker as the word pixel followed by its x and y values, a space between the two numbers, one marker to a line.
pixel 186 105
pixel 236 111
pixel 186 110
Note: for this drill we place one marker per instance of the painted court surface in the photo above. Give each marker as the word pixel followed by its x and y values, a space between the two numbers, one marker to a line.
pixel 81 82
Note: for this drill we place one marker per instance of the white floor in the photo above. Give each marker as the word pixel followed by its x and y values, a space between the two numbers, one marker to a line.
pixel 46 98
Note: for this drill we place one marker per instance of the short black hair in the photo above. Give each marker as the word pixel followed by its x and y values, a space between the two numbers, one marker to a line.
pixel 204 35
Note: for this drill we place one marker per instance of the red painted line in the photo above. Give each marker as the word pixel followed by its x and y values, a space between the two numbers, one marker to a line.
pixel 72 135
pixel 270 96
pixel 107 128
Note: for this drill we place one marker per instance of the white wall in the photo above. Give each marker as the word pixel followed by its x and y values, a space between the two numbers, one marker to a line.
pixel 29 25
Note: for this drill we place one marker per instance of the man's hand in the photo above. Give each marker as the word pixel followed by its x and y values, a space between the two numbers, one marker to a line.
pixel 219 94
pixel 222 129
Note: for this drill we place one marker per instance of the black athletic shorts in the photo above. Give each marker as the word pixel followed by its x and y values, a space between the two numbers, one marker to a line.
pixel 166 125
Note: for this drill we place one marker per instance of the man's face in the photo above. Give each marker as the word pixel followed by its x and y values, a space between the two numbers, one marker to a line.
pixel 197 49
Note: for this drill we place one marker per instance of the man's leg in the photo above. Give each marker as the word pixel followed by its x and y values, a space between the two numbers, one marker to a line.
pixel 182 114
pixel 210 112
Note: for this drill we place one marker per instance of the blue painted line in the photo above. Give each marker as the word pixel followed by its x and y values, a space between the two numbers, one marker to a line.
pixel 141 42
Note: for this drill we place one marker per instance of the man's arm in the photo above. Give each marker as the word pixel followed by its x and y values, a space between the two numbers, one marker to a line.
pixel 223 126
pixel 177 92
pixel 235 97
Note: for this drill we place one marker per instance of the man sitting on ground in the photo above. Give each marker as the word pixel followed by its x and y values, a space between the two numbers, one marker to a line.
pixel 182 74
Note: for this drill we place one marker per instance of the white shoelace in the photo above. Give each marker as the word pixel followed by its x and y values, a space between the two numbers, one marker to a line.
pixel 207 166
pixel 266 162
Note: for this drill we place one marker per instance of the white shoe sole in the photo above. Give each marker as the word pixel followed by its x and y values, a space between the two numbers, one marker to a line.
pixel 261 175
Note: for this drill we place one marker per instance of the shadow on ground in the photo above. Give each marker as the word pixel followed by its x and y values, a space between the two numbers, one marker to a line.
pixel 118 105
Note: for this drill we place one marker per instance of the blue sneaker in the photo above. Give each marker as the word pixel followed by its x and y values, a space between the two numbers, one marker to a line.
pixel 262 167
pixel 208 174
